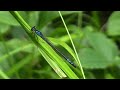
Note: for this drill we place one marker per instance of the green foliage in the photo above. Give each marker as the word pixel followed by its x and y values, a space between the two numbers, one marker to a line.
pixel 47 16
pixel 98 49
pixel 6 18
pixel 113 24
pixel 102 54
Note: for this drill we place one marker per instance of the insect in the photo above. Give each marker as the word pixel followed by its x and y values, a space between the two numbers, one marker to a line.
pixel 47 41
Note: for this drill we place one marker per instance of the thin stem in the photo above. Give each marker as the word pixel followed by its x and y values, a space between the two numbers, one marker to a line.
pixel 72 44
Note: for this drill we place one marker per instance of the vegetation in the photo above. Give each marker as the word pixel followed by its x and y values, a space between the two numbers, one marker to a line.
pixel 89 39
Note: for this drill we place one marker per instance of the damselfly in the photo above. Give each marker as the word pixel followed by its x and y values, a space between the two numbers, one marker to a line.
pixel 55 49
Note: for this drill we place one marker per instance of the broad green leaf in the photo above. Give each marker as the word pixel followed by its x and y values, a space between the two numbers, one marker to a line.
pixel 102 54
pixel 91 59
pixel 103 45
pixel 113 27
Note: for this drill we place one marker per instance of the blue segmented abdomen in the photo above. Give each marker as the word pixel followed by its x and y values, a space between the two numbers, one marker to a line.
pixel 39 33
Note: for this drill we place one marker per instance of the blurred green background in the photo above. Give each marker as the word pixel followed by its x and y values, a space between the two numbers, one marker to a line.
pixel 94 33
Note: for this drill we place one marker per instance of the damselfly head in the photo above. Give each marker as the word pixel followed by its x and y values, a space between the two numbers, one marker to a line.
pixel 33 28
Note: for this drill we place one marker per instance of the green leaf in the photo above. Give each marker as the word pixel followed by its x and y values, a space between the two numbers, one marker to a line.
pixel 104 45
pixel 91 59
pixel 113 27
pixel 102 54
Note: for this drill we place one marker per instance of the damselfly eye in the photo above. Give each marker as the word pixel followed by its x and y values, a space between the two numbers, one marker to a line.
pixel 33 28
